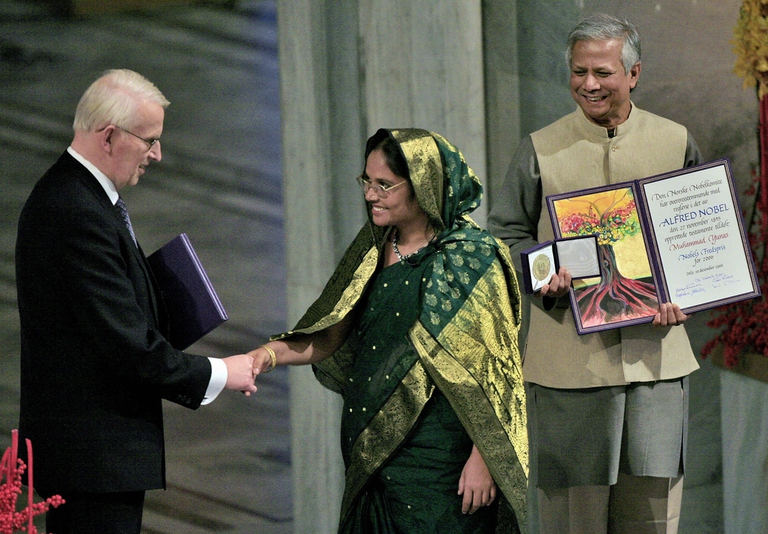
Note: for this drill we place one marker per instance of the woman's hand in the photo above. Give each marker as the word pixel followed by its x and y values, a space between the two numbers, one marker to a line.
pixel 262 361
pixel 476 484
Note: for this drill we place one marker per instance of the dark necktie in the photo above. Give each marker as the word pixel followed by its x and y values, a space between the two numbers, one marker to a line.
pixel 126 219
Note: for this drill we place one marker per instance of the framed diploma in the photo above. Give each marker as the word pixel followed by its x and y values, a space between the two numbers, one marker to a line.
pixel 701 248
pixel 677 237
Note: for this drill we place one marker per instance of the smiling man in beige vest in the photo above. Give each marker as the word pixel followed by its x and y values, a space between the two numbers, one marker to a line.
pixel 608 410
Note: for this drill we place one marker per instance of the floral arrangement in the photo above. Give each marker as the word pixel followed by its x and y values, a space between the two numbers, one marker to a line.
pixel 741 325
pixel 11 470
pixel 751 45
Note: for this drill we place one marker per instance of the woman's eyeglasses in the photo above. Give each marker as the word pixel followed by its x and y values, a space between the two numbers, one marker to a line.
pixel 382 191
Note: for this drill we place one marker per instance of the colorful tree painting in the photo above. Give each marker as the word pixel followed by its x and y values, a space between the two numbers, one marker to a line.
pixel 612 216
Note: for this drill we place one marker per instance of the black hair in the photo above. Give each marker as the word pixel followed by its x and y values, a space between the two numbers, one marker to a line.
pixel 396 162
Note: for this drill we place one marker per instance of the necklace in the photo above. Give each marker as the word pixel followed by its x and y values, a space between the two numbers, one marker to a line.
pixel 402 257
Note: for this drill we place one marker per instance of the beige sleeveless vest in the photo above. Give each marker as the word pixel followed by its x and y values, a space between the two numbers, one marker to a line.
pixel 573 153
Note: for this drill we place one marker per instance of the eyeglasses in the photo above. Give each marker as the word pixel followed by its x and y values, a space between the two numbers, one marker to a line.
pixel 150 142
pixel 381 190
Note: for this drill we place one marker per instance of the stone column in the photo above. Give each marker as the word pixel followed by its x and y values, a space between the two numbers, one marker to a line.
pixel 348 68
pixel 423 67
pixel 502 88
pixel 310 252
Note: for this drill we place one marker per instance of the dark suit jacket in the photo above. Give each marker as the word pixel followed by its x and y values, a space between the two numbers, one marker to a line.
pixel 94 362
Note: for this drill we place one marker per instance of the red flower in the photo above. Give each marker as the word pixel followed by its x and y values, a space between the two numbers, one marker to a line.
pixel 11 469
pixel 741 325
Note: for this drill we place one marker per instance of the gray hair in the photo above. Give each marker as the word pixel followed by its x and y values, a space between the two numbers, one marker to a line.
pixel 114 99
pixel 602 27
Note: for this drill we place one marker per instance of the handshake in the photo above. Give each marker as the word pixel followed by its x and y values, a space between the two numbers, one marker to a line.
pixel 243 369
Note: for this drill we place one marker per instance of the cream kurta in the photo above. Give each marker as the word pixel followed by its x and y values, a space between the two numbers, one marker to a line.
pixel 572 154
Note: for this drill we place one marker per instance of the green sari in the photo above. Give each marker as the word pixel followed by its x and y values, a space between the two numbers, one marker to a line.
pixel 432 364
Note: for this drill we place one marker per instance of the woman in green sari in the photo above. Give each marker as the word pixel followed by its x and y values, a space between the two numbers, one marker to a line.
pixel 417 329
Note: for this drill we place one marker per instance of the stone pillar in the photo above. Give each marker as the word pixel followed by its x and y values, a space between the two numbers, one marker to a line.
pixel 502 88
pixel 423 67
pixel 347 68
pixel 310 253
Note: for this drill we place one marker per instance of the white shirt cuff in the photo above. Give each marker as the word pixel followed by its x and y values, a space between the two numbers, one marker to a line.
pixel 218 380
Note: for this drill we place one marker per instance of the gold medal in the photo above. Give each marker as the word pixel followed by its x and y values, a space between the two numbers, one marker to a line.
pixel 541 265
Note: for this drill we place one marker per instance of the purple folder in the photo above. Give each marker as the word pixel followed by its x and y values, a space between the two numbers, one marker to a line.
pixel 193 307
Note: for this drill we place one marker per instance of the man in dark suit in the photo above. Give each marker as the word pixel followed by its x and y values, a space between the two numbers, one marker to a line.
pixel 95 364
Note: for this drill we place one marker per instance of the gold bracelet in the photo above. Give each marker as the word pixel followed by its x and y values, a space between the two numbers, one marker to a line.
pixel 271 355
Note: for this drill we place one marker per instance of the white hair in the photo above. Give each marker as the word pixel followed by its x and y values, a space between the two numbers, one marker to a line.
pixel 114 99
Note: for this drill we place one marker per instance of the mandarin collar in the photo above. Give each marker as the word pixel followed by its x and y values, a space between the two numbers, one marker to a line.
pixel 596 133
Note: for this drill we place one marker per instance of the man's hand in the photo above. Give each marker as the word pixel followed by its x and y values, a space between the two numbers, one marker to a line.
pixel 476 484
pixel 240 373
pixel 558 285
pixel 669 315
